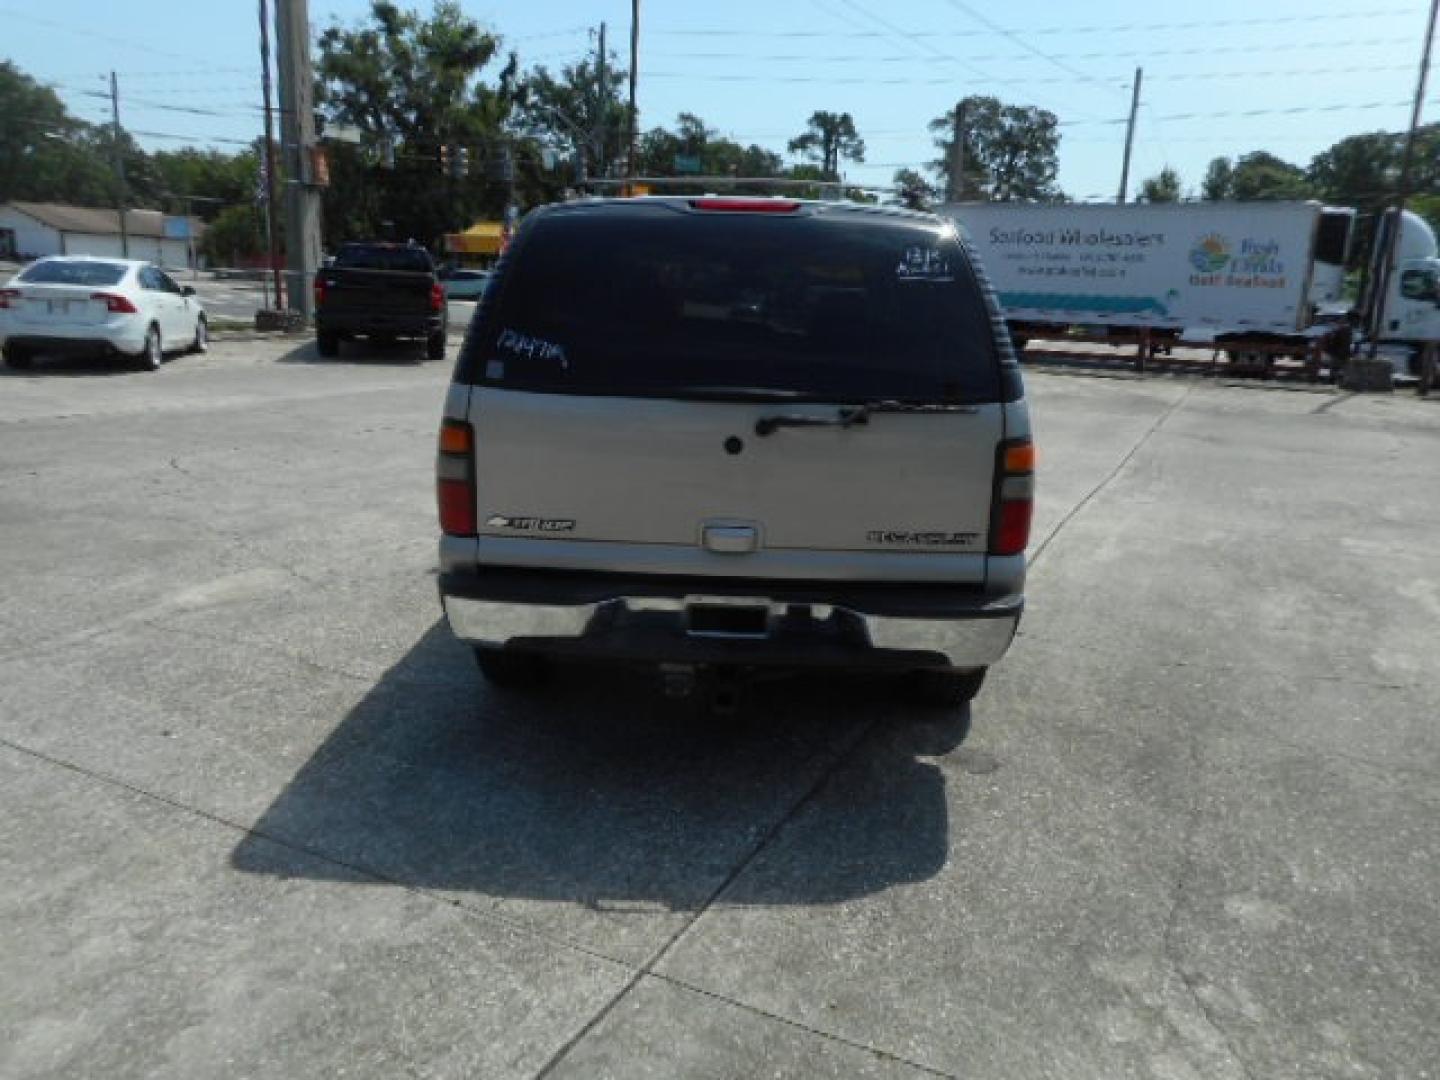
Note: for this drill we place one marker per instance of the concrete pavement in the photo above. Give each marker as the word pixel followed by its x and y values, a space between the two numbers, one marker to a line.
pixel 262 819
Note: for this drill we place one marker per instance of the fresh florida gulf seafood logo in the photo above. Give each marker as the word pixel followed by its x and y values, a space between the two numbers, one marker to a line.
pixel 1210 254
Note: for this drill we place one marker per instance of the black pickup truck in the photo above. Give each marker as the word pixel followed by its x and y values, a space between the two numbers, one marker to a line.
pixel 379 292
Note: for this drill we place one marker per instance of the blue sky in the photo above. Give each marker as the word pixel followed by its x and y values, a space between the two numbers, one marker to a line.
pixel 1310 72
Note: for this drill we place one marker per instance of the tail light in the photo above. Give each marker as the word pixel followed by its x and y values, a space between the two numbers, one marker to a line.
pixel 437 297
pixel 1014 497
pixel 455 478
pixel 115 303
pixel 319 291
pixel 6 295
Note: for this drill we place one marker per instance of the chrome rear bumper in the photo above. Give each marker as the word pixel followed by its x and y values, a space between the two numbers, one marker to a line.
pixel 654 628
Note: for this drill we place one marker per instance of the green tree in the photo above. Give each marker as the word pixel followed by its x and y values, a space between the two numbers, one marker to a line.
pixel 913 190
pixel 1219 180
pixel 218 179
pixel 236 234
pixel 569 113
pixel 828 139
pixel 1012 152
pixel 413 82
pixel 47 155
pixel 1363 171
pixel 661 151
pixel 1261 175
pixel 1163 187
pixel 353 206
pixel 1360 170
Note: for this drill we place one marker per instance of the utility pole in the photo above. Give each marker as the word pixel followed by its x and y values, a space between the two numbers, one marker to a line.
pixel 272 237
pixel 957 155
pixel 297 126
pixel 1130 136
pixel 604 111
pixel 121 196
pixel 1392 237
pixel 634 73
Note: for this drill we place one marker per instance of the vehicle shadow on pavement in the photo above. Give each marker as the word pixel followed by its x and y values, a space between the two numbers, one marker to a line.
pixel 393 353
pixel 601 792
pixel 74 367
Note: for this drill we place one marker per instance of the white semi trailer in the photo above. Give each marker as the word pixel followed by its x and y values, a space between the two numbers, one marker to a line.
pixel 1254 280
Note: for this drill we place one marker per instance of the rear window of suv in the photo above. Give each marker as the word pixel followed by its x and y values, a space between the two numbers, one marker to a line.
pixel 58 272
pixel 384 257
pixel 658 301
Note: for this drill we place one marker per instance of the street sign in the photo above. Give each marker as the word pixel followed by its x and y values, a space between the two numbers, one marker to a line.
pixel 687 163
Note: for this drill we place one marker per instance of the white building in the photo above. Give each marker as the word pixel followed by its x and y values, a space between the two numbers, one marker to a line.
pixel 30 230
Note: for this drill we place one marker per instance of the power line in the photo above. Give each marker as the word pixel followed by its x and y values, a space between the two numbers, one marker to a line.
pixel 106 36
pixel 198 73
pixel 189 138
pixel 129 102
pixel 917 40
pixel 1205 50
pixel 1110 28
pixel 1054 61
pixel 1297 110
pixel 552 33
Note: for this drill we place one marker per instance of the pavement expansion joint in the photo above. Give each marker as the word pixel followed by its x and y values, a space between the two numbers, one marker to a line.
pixel 798 1025
pixel 485 915
pixel 637 974
pixel 220 639
pixel 1183 877
pixel 1145 437
pixel 762 841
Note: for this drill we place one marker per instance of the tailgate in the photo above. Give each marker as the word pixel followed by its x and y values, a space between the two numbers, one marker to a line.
pixel 627 356
pixel 626 482
pixel 387 291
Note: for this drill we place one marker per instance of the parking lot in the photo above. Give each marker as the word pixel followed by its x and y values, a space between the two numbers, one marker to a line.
pixel 263 819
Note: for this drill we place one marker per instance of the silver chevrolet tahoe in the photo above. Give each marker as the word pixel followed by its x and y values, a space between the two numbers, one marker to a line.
pixel 721 434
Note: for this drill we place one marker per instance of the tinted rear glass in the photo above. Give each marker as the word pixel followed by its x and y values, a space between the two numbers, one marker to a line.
pixel 375 257
pixel 73 273
pixel 655 301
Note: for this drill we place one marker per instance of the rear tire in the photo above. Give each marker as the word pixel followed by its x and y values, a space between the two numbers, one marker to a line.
pixel 946 689
pixel 18 358
pixel 512 671
pixel 435 347
pixel 202 336
pixel 327 344
pixel 153 354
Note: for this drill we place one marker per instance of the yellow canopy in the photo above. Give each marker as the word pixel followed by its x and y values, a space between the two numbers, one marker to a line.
pixel 482 238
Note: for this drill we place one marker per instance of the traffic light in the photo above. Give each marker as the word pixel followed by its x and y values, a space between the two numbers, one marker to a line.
pixel 444 158
pixel 462 162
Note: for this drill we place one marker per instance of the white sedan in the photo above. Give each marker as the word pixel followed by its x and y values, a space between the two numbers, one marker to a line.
pixel 76 305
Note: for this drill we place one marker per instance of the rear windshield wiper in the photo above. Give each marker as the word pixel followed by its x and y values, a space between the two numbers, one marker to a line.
pixel 851 415
pixel 768 425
